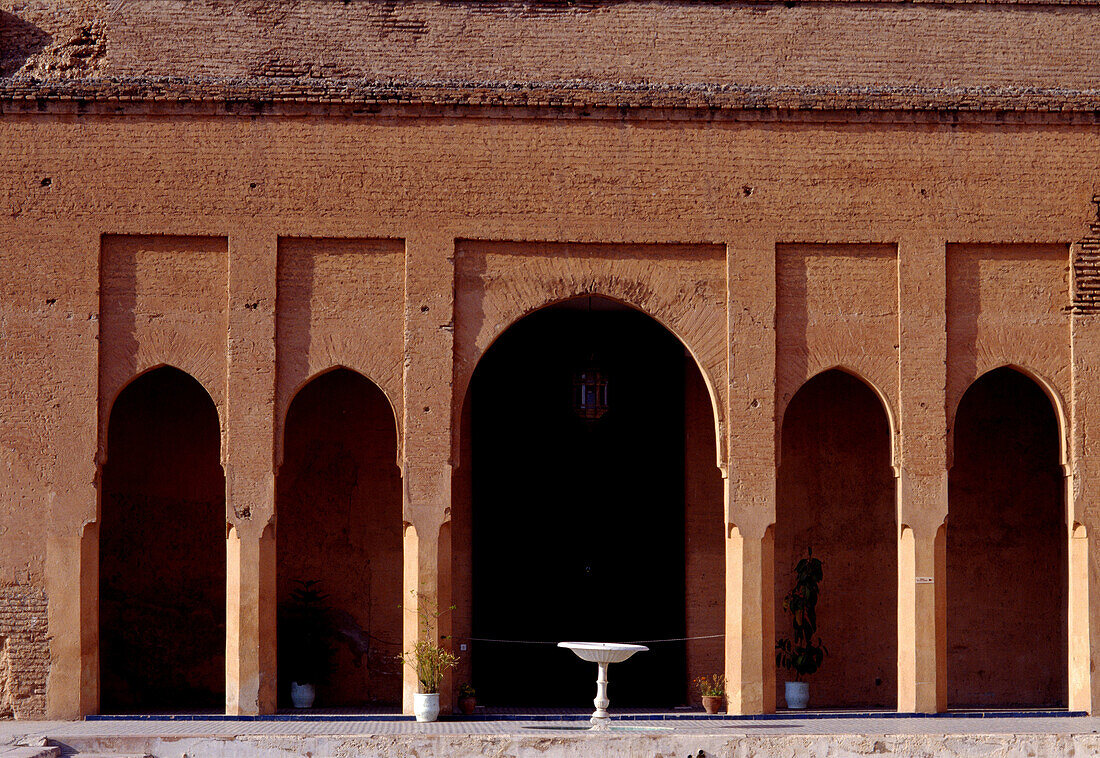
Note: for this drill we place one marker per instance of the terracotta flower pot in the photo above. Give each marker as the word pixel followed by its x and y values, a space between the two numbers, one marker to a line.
pixel 712 704
pixel 467 705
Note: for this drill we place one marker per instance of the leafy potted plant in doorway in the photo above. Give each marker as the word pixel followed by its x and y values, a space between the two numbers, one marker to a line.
pixel 306 633
pixel 712 689
pixel 467 699
pixel 430 661
pixel 803 653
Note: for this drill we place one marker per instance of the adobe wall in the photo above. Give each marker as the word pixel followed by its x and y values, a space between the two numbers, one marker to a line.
pixel 656 213
pixel 24 505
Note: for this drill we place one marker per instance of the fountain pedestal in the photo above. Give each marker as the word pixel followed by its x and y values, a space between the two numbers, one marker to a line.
pixel 602 654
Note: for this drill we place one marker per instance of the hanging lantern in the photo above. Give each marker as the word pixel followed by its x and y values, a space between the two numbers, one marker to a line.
pixel 590 393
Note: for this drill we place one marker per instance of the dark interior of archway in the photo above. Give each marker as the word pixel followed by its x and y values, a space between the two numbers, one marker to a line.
pixel 162 550
pixel 578 526
pixel 339 524
pixel 836 495
pixel 1006 549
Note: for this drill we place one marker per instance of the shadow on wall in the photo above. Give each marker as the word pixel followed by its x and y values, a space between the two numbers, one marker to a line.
pixel 19 40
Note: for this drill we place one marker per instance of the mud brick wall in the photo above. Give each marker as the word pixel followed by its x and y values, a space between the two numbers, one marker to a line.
pixel 24 651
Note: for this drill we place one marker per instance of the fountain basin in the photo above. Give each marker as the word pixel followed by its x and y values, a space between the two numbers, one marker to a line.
pixel 603 652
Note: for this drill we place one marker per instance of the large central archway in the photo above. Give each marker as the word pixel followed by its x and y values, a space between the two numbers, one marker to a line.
pixel 580 527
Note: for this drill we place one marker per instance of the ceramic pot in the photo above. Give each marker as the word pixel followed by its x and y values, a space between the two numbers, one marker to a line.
pixel 467 705
pixel 302 695
pixel 798 695
pixel 426 706
pixel 712 704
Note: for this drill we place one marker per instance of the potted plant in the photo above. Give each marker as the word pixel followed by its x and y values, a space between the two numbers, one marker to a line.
pixel 802 655
pixel 713 690
pixel 467 699
pixel 306 633
pixel 430 661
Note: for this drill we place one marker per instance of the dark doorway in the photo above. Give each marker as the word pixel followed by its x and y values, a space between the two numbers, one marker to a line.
pixel 162 550
pixel 339 509
pixel 835 494
pixel 1006 549
pixel 578 524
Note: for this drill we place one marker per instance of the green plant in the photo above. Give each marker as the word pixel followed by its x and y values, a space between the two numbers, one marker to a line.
pixel 465 690
pixel 804 653
pixel 713 685
pixel 431 662
pixel 306 633
pixel 428 659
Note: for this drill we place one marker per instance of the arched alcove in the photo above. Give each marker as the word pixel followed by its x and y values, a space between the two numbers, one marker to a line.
pixel 1006 548
pixel 836 495
pixel 162 550
pixel 604 528
pixel 339 525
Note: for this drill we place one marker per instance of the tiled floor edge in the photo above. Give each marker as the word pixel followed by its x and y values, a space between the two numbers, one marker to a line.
pixel 781 715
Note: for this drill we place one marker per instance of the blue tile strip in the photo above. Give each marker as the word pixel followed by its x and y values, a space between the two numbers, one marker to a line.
pixel 782 715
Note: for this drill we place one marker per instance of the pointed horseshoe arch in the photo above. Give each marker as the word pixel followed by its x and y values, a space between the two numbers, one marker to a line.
pixel 1007 562
pixel 162 548
pixel 1054 395
pixel 104 441
pixel 887 407
pixel 836 495
pixel 338 503
pixel 280 441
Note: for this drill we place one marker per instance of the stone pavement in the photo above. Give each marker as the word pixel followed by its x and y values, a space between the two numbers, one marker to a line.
pixel 795 735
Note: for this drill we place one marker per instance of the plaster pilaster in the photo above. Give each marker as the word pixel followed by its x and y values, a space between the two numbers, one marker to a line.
pixel 751 480
pixel 250 686
pixel 921 460
pixel 72 544
pixel 427 440
pixel 1083 516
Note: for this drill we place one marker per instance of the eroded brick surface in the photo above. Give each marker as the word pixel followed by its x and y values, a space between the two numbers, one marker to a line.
pixel 24 651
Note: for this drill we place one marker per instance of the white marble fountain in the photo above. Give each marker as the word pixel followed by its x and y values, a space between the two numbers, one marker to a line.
pixel 602 654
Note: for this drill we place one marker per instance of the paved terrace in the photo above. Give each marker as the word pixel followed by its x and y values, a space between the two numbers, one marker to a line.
pixel 561 733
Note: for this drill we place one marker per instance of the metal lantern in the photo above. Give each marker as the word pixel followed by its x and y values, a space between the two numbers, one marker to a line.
pixel 590 393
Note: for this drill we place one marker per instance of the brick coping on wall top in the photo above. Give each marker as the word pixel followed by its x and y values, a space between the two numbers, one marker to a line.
pixel 581 98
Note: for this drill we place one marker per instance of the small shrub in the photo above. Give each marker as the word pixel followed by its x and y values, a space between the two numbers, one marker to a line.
pixel 803 654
